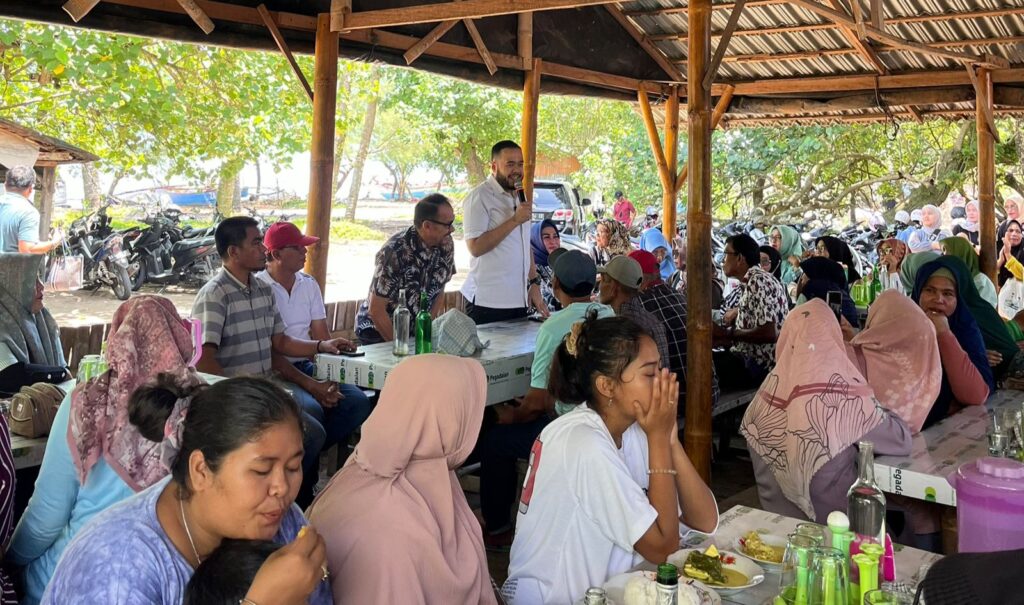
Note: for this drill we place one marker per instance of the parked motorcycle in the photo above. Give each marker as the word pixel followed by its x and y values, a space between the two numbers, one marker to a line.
pixel 105 261
pixel 166 253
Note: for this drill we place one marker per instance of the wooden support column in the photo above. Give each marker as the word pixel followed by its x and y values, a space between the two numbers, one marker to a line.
pixel 321 161
pixel 986 174
pixel 671 194
pixel 531 102
pixel 47 189
pixel 697 434
pixel 525 40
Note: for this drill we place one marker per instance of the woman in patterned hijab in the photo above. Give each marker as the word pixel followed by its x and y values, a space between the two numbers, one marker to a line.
pixel 612 240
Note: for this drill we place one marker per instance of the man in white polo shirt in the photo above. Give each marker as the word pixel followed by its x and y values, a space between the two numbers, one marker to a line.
pixel 503 280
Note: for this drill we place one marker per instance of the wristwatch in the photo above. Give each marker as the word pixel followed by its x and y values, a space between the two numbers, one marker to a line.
pixel 534 281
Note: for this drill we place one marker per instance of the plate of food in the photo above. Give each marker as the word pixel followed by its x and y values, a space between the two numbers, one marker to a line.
pixel 763 548
pixel 725 572
pixel 638 588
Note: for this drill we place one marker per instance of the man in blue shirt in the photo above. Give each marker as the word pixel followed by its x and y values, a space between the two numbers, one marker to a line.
pixel 19 219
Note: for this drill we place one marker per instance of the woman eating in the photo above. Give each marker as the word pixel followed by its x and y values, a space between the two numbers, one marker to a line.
pixel 1011 254
pixel 898 340
pixel 235 474
pixel 654 241
pixel 611 240
pixel 96 457
pixel 786 240
pixel 942 290
pixel 397 503
pixel 545 239
pixel 836 249
pixel 891 254
pixel 821 276
pixel 968 229
pixel 608 480
pixel 806 419
pixel 30 349
pixel 962 249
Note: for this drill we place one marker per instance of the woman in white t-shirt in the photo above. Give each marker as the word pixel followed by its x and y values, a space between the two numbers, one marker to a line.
pixel 608 480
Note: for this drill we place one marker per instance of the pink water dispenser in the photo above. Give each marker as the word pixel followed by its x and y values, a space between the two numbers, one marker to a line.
pixel 990 504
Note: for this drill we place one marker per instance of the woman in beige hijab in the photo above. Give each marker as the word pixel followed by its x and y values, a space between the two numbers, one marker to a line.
pixel 396 523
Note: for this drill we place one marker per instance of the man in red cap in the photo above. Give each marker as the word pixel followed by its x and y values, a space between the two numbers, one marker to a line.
pixel 339 408
pixel 650 267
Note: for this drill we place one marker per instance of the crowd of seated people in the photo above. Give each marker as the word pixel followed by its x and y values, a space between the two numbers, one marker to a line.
pixel 185 473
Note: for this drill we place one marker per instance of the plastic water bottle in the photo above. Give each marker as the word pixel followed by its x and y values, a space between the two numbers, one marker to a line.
pixel 400 322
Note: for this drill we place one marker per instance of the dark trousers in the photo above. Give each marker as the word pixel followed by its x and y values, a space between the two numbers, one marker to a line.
pixel 736 373
pixel 485 315
pixel 499 448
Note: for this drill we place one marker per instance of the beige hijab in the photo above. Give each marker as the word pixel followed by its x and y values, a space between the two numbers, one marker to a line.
pixel 396 523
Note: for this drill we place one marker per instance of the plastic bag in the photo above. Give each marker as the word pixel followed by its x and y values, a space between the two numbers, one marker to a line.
pixel 1011 298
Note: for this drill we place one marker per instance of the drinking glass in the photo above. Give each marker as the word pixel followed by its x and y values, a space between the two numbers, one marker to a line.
pixel 812 530
pixel 828 583
pixel 998 444
pixel 796 565
pixel 888 597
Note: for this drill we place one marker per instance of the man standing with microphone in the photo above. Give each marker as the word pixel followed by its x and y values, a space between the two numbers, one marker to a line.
pixel 503 281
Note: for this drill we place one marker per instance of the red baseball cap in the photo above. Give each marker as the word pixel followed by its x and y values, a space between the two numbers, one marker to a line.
pixel 284 235
pixel 648 262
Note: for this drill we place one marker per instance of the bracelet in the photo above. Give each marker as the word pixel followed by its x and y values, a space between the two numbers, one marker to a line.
pixel 662 471
pixel 317 350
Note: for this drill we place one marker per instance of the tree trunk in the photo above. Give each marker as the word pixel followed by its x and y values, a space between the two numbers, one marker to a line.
pixel 259 180
pixel 757 195
pixel 91 185
pixel 951 162
pixel 369 120
pixel 117 180
pixel 476 171
pixel 227 188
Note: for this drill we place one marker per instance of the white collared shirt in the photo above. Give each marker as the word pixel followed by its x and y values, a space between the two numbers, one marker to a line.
pixel 300 307
pixel 496 279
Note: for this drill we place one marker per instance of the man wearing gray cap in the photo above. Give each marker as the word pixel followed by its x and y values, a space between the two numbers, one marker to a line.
pixel 573 280
pixel 621 279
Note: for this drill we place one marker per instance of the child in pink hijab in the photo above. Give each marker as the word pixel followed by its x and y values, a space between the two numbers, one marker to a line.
pixel 396 523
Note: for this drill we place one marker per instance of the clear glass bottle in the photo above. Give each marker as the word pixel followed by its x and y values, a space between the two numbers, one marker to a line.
pixel 595 596
pixel 401 320
pixel 667 584
pixel 865 502
pixel 424 325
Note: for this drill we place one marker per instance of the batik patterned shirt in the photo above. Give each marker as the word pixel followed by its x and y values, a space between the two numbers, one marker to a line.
pixel 759 300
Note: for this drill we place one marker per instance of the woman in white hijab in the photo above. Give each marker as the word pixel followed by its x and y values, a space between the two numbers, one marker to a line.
pixel 931 223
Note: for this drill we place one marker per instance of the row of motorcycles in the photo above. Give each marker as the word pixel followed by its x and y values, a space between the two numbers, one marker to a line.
pixel 162 252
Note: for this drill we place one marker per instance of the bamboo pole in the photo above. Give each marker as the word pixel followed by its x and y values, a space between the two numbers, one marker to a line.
pixel 531 101
pixel 667 184
pixel 697 433
pixel 525 39
pixel 986 174
pixel 671 194
pixel 321 163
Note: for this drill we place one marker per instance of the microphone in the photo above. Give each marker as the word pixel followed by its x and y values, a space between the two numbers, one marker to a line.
pixel 519 195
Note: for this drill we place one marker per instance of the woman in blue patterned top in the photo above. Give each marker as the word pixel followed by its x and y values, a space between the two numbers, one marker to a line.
pixel 235 476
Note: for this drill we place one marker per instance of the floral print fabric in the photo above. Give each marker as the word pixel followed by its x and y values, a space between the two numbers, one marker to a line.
pixel 759 300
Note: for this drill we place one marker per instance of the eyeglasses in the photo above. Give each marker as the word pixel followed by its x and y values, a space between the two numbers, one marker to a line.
pixel 449 226
pixel 885 250
pixel 766 262
pixel 775 238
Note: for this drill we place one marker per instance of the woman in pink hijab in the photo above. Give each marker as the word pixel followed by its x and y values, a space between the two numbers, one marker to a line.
pixel 396 523
pixel 803 424
pixel 898 354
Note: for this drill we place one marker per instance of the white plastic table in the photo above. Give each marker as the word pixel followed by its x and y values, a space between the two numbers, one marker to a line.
pixel 739 520
pixel 506 361
pixel 939 450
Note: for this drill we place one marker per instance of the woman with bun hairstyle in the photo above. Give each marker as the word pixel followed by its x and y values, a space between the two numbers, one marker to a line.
pixel 608 480
pixel 234 450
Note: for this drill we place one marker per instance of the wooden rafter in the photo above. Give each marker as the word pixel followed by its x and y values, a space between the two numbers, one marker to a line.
pixel 885 37
pixel 812 27
pixel 867 118
pixel 78 9
pixel 983 100
pixel 481 48
pixel 840 52
pixel 463 9
pixel 931 79
pixel 649 47
pixel 198 15
pixel 424 43
pixel 877 13
pixel 675 10
pixel 857 37
pixel 524 41
pixel 654 138
pixel 723 45
pixel 282 45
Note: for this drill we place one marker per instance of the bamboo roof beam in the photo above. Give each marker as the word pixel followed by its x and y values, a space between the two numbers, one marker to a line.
pixel 525 37
pixel 460 9
pixel 481 48
pixel 654 138
pixel 649 47
pixel 723 45
pixel 282 45
pixel 812 27
pixel 198 15
pixel 433 36
pixel 877 12
pixel 78 9
pixel 983 100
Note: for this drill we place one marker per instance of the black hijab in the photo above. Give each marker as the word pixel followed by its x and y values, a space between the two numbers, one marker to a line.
pixel 776 260
pixel 841 253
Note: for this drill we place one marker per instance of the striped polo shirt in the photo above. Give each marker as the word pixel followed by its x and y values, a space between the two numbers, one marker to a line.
pixel 239 320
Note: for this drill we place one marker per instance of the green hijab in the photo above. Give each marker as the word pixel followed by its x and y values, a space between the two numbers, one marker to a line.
pixel 911 265
pixel 964 250
pixel 790 246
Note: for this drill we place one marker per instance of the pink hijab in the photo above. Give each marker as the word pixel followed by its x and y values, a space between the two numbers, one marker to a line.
pixel 898 354
pixel 395 520
pixel 147 338
pixel 814 405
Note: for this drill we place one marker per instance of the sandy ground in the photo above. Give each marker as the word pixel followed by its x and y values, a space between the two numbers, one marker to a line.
pixel 349 270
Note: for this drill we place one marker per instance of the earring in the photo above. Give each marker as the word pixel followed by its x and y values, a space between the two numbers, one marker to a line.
pixel 611 401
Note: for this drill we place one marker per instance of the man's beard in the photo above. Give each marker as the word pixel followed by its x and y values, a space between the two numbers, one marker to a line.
pixel 507 182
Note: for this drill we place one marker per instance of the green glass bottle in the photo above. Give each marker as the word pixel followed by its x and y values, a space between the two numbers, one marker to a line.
pixel 876 284
pixel 666 584
pixel 424 323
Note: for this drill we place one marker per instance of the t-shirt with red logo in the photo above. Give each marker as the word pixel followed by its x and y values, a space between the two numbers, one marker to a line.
pixel 584 505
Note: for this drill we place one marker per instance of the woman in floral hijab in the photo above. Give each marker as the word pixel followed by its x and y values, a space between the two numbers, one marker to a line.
pixel 805 421
pixel 612 240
